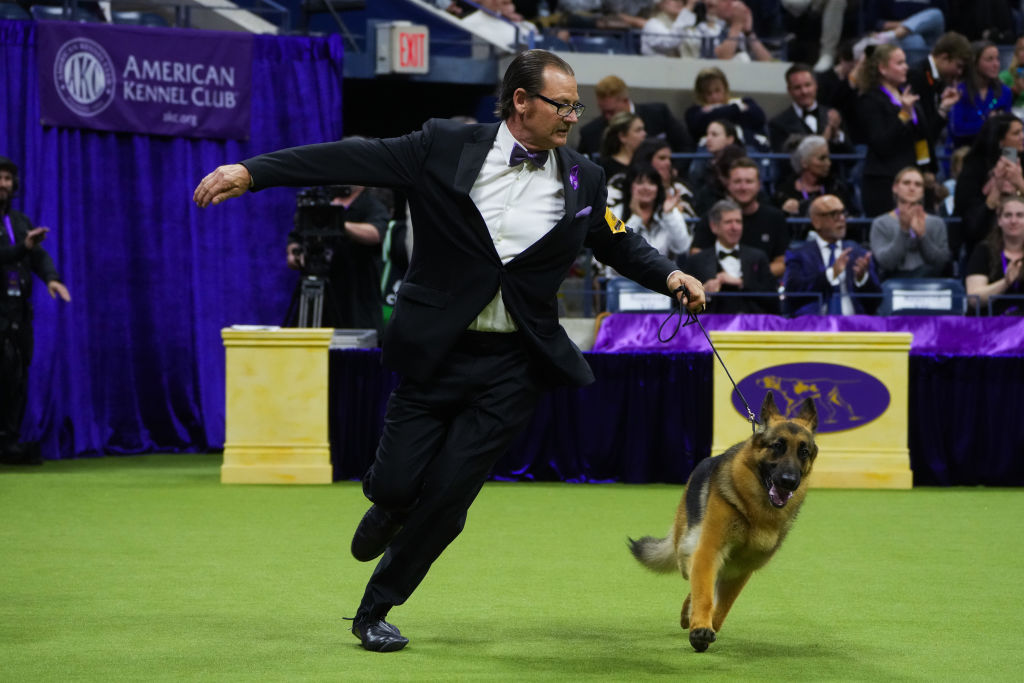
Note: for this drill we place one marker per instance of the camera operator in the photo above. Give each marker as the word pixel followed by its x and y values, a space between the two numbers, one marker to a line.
pixel 352 298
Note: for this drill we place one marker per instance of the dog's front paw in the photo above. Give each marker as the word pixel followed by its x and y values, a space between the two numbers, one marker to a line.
pixel 700 638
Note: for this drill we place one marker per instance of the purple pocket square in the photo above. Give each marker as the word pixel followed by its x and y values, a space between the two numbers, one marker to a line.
pixel 585 211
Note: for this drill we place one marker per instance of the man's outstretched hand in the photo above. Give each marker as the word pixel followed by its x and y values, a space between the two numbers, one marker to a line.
pixel 224 183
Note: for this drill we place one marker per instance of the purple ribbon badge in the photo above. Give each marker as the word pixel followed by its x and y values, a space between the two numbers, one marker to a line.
pixel 574 177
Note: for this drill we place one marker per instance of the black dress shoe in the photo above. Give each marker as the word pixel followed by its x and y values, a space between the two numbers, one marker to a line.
pixel 374 533
pixel 378 635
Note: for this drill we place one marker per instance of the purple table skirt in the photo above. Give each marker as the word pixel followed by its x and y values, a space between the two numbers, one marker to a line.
pixel 933 335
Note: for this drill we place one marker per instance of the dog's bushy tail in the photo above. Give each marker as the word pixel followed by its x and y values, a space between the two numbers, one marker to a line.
pixel 657 554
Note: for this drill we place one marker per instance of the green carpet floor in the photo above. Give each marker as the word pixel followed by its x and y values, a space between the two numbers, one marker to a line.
pixel 146 568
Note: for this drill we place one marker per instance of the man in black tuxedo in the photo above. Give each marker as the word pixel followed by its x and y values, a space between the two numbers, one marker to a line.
pixel 729 268
pixel 501 212
pixel 612 98
pixel 805 116
pixel 935 78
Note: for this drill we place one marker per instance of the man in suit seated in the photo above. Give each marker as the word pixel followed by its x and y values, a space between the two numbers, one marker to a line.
pixel 764 226
pixel 805 115
pixel 612 98
pixel 828 265
pixel 728 268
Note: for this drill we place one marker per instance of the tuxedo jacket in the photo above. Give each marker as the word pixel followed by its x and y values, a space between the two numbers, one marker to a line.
pixel 658 122
pixel 455 270
pixel 757 277
pixel 805 272
pixel 786 123
pixel 922 82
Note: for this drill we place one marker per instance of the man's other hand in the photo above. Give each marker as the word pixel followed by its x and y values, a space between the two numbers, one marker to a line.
pixel 224 183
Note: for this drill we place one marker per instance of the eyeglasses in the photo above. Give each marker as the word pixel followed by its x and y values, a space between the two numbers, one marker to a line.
pixel 563 109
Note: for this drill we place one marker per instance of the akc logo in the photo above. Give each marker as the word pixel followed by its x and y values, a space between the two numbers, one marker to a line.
pixel 845 397
pixel 83 74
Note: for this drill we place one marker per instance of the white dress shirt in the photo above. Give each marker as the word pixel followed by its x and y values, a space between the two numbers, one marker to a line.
pixel 731 266
pixel 520 205
pixel 836 279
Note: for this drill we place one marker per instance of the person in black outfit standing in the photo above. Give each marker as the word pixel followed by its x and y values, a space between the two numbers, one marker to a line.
pixel 353 298
pixel 894 126
pixel 20 257
pixel 500 212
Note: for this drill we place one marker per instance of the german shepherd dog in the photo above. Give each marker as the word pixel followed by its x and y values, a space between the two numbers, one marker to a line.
pixel 735 512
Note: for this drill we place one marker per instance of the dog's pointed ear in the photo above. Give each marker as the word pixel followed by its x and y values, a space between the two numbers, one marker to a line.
pixel 809 414
pixel 768 409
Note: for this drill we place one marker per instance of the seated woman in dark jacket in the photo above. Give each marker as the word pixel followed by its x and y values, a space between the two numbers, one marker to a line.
pixel 995 266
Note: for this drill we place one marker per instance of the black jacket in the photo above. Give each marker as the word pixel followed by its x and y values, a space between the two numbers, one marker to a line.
pixel 658 122
pixel 455 271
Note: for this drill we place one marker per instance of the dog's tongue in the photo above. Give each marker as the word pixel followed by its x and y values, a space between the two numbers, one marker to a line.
pixel 778 496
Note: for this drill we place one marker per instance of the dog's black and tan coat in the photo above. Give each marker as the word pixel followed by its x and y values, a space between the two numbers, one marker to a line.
pixel 737 509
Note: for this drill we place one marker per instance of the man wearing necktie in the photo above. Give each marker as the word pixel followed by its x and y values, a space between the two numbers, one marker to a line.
pixel 475 334
pixel 730 268
pixel 830 266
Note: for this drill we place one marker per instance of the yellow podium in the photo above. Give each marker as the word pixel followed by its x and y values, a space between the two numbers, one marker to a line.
pixel 858 381
pixel 276 417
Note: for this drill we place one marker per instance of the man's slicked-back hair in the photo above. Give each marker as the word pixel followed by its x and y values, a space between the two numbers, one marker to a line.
pixel 527 72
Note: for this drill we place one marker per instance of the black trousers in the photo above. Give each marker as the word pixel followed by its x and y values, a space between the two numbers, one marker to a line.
pixel 15 357
pixel 440 440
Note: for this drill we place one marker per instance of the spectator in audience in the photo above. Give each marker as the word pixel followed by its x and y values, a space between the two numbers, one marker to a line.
pixel 935 78
pixel 911 24
pixel 720 29
pixel 813 177
pixel 720 135
pixel 806 116
pixel 830 266
pixel 657 153
pixel 728 268
pixel 659 35
pixel 956 165
pixel 992 170
pixel 907 242
pixel 611 15
pixel 764 226
pixel 894 127
pixel 831 12
pixel 996 264
pixel 498 21
pixel 613 98
pixel 984 20
pixel 1013 77
pixel 714 102
pixel 837 88
pixel 623 135
pixel 712 187
pixel 642 210
pixel 981 95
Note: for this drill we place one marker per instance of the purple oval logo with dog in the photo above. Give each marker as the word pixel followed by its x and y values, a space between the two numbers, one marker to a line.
pixel 845 397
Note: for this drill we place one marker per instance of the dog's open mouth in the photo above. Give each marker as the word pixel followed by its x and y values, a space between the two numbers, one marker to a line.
pixel 776 494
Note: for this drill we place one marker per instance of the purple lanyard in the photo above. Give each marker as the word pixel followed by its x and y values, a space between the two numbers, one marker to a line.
pixel 896 102
pixel 1005 264
pixel 10 230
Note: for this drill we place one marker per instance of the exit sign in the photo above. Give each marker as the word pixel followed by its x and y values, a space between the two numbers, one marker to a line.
pixel 403 48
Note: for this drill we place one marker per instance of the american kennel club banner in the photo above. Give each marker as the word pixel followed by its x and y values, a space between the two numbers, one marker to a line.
pixel 145 80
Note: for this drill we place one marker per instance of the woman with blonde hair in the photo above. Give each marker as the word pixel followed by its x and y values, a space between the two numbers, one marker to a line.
pixel 715 102
pixel 894 127
pixel 996 264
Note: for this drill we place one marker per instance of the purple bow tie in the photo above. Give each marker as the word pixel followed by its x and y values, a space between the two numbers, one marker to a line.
pixel 519 155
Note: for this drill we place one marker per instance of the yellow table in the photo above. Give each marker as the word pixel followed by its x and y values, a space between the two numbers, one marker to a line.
pixel 276 416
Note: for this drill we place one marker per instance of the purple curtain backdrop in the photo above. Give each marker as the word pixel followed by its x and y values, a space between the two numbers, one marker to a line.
pixel 135 363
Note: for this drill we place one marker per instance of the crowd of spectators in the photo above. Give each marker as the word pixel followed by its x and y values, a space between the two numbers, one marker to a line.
pixel 929 157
